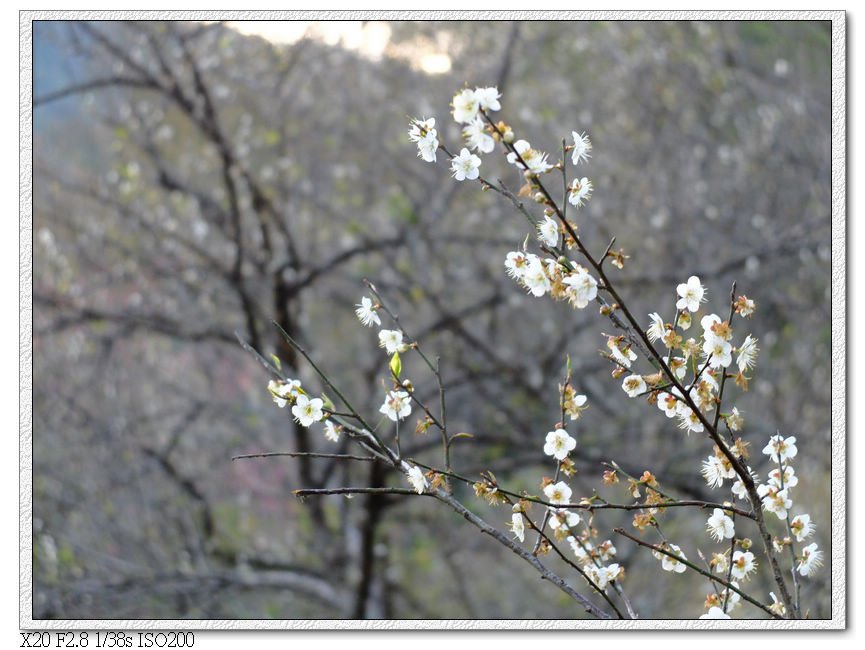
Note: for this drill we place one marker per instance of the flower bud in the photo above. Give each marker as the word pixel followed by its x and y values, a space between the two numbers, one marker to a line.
pixel 508 136
pixel 540 198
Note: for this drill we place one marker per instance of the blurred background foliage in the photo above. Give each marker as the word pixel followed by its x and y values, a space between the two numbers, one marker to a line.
pixel 196 180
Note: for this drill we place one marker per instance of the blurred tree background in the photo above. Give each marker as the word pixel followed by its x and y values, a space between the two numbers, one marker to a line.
pixel 194 180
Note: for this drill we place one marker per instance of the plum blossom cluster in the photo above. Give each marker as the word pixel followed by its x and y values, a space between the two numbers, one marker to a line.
pixel 304 409
pixel 562 279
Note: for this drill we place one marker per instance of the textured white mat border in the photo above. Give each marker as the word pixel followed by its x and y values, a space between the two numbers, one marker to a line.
pixel 839 287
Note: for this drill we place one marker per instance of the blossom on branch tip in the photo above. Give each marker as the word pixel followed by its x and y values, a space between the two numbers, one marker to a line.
pixel 789 476
pixel 781 448
pixel 397 405
pixel 417 479
pixel 810 560
pixel 559 444
pixel 691 294
pixel 582 147
pixel 391 341
pixel 466 166
pixel 366 312
pixel 427 147
pixel 306 411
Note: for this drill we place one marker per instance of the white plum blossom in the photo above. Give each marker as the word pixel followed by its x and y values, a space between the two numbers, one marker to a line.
pixel 535 161
pixel 707 322
pixel 582 287
pixel 747 354
pixel 777 606
pixel 606 551
pixel 781 449
pixel 465 104
pixel 477 137
pixel 714 470
pixel 732 598
pixel 657 328
pixel 582 147
pixel 810 560
pixel 672 563
pixel 775 500
pixel 715 613
pixel 559 518
pixel 559 444
pixel 427 147
pixel 743 565
pixel 419 128
pixel 718 351
pixel 691 294
pixel 604 575
pixel 720 526
pixel 581 549
pixel 397 405
pixel 622 356
pixel 548 231
pixel 516 263
pixel 734 420
pixel 689 420
pixel 423 133
pixel 306 411
pixel 802 527
pixel 391 341
pixel 417 479
pixel 633 385
pixel 745 307
pixel 283 391
pixel 535 277
pixel 331 432
pixel 518 527
pixel 579 191
pixel 488 98
pixel 669 403
pixel 789 477
pixel 558 493
pixel 466 166
pixel 366 312
pixel 739 489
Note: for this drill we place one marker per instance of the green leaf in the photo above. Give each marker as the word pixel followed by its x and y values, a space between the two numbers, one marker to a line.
pixel 328 404
pixel 276 362
pixel 395 365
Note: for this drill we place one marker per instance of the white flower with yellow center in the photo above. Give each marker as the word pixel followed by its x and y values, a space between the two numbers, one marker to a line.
pixel 559 444
pixel 397 405
pixel 465 104
pixel 558 493
pixel 633 385
pixel 582 147
pixel 306 411
pixel 366 312
pixel 691 294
